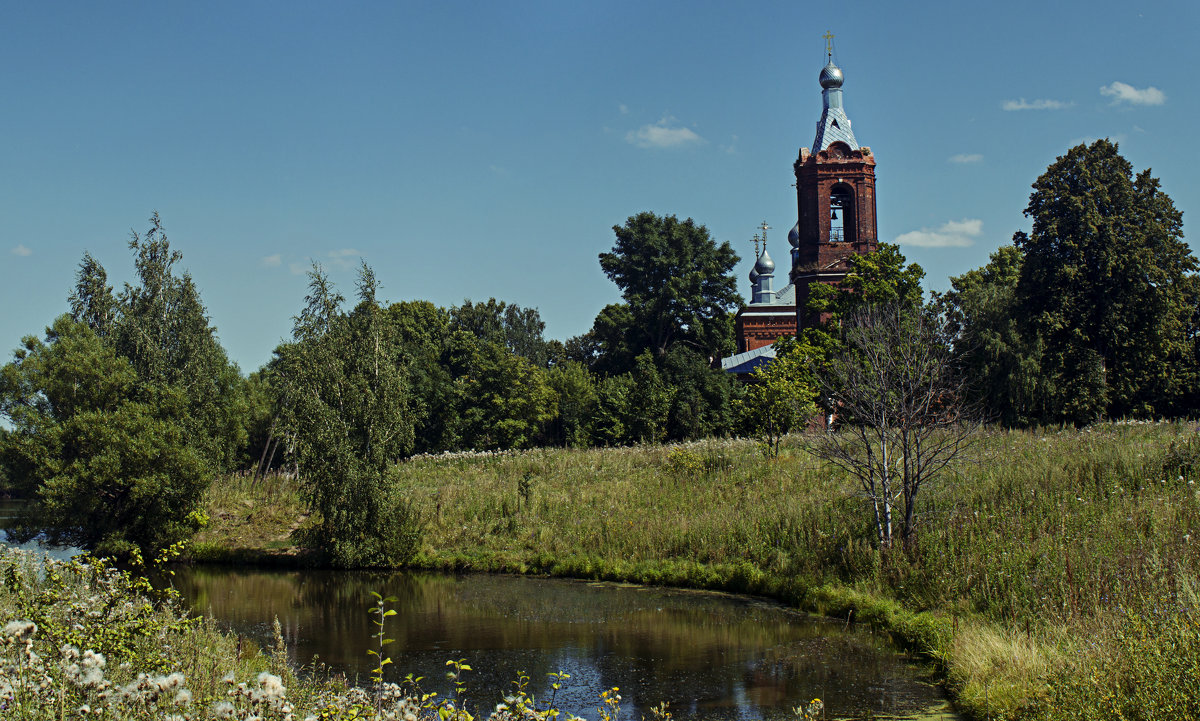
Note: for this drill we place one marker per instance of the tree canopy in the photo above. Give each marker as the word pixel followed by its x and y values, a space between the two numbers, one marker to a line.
pixel 677 282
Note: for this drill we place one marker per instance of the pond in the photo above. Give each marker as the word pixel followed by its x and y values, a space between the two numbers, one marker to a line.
pixel 710 656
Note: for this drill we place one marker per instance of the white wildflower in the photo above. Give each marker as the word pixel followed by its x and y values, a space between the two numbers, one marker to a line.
pixel 271 684
pixel 224 709
pixel 20 630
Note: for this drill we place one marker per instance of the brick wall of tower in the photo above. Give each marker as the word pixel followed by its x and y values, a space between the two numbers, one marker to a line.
pixel 818 259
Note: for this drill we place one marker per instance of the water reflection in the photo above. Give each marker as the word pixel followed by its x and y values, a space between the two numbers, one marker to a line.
pixel 710 656
pixel 8 513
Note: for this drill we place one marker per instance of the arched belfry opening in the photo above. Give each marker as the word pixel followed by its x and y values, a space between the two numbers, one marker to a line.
pixel 841 214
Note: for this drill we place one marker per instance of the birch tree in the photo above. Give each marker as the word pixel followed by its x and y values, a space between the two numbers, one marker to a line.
pixel 900 409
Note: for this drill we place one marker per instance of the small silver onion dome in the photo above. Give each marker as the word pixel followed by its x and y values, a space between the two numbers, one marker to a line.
pixel 831 76
pixel 794 235
pixel 754 274
pixel 764 265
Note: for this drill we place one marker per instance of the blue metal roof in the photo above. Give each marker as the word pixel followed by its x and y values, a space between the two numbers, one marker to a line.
pixel 743 363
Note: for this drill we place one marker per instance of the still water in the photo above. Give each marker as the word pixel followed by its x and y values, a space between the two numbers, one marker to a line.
pixel 710 656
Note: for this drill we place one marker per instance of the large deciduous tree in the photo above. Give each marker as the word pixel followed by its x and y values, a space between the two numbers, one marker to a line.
pixel 126 410
pixel 1109 288
pixel 101 466
pixel 677 282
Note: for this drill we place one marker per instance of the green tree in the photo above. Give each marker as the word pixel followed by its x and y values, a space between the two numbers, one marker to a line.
pixel 100 468
pixel 781 395
pixel 423 333
pixel 504 400
pixel 677 282
pixel 575 389
pixel 878 278
pixel 507 324
pixel 609 424
pixel 1108 287
pixel 349 408
pixel 983 323
pixel 648 402
pixel 699 396
pixel 163 329
pixel 608 347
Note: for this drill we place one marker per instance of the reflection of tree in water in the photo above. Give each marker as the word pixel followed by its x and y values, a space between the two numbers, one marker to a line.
pixel 703 652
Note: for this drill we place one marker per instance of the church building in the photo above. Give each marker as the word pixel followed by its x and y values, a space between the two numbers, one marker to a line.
pixel 835 202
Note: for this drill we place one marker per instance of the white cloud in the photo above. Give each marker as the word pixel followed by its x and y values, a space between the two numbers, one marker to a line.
pixel 1122 93
pixel 954 234
pixel 966 158
pixel 299 268
pixel 623 108
pixel 663 135
pixel 731 149
pixel 344 258
pixel 1042 104
pixel 271 261
pixel 22 251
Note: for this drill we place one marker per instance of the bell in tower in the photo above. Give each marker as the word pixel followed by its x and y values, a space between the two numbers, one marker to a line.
pixel 835 197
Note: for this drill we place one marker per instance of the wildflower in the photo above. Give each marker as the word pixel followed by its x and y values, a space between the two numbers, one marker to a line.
pixel 223 709
pixel 20 630
pixel 183 698
pixel 271 684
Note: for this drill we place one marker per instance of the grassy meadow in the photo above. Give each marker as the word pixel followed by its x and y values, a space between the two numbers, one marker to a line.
pixel 1054 575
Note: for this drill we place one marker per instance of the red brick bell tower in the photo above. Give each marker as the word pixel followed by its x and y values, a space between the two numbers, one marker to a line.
pixel 835 196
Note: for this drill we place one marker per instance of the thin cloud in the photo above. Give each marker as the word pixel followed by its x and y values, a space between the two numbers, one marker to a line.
pixel 271 261
pixel 966 158
pixel 1041 104
pixel 299 268
pixel 22 251
pixel 663 135
pixel 954 234
pixel 1123 93
pixel 731 149
pixel 344 258
pixel 623 108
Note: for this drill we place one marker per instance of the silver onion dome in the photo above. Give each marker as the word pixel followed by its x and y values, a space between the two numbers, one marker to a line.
pixel 754 274
pixel 794 235
pixel 831 76
pixel 764 265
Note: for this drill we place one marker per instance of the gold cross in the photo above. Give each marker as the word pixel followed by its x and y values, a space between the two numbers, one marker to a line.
pixel 828 44
pixel 756 246
pixel 764 227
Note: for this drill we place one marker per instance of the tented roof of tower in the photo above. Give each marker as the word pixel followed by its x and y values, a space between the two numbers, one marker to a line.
pixel 834 125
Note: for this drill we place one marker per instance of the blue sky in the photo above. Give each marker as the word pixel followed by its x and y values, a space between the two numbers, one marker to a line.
pixel 475 150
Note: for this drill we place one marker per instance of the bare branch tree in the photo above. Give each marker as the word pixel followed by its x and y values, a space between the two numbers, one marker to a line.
pixel 901 407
